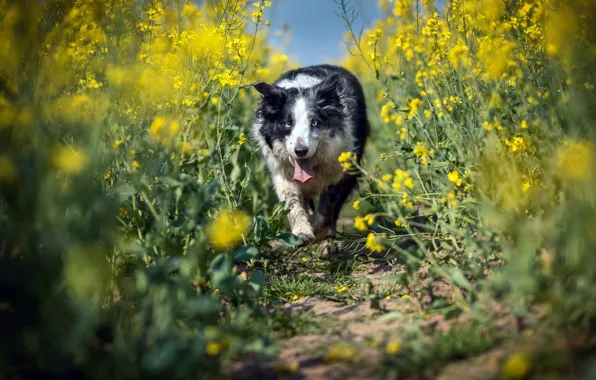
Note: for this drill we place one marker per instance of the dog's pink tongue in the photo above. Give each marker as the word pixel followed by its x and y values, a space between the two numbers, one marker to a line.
pixel 303 171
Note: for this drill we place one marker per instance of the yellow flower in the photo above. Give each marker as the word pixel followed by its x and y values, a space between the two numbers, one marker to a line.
pixel 163 132
pixel 453 177
pixel 305 259
pixel 405 201
pixel 373 242
pixel 185 147
pixel 523 124
pixel 340 352
pixel 360 224
pixel 135 165
pixel 214 100
pixel 399 223
pixel 8 173
pixel 403 133
pixel 369 219
pixel 356 205
pixel 386 177
pixel 344 157
pixel 228 229
pixel 517 366
pixel 399 120
pixel 346 166
pixel 241 138
pixel 177 82
pixel 70 160
pixel 341 289
pixel 414 106
pixel 422 152
pixel 392 348
pixel 526 187
pixel 450 199
pixel 517 144
pixel 403 179
pixel 459 55
pixel 213 348
pixel 295 297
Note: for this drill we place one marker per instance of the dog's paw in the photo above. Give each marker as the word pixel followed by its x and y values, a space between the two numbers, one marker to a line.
pixel 328 248
pixel 305 238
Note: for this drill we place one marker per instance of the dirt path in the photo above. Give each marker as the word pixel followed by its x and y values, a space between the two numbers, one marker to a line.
pixel 360 321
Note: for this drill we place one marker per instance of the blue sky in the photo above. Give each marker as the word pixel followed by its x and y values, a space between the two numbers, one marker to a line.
pixel 316 31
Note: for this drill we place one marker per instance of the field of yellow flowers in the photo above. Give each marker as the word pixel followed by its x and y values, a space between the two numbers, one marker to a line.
pixel 137 220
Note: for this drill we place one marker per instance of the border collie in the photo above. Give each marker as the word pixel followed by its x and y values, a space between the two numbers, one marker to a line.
pixel 303 122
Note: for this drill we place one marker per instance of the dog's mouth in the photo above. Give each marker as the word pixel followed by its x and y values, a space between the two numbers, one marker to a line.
pixel 303 170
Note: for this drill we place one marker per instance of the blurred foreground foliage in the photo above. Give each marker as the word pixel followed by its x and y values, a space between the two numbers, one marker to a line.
pixel 121 139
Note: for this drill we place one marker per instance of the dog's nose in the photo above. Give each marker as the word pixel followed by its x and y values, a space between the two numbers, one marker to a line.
pixel 301 150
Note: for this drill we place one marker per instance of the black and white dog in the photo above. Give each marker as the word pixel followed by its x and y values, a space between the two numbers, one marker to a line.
pixel 304 121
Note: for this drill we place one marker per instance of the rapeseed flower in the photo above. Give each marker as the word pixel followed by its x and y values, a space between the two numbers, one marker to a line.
pixel 228 229
pixel 373 242
pixel 70 160
pixel 392 347
pixel 422 152
pixel 453 177
pixel 360 224
pixel 517 366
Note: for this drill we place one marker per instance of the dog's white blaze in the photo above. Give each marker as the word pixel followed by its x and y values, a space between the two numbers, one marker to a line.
pixel 301 130
pixel 301 81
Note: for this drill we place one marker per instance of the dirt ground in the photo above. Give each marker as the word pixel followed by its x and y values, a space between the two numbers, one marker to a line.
pixel 363 327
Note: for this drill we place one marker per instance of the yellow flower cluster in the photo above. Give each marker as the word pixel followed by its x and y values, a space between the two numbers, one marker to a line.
pixel 228 229
pixel 345 160
pixel 422 152
pixel 374 242
pixel 402 180
pixel 362 223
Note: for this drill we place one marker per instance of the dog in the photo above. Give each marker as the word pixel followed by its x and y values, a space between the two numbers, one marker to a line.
pixel 303 122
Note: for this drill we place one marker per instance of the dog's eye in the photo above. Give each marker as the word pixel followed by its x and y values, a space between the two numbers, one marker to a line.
pixel 288 126
pixel 314 123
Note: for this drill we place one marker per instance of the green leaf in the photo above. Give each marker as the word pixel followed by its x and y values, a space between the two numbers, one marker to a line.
pixel 262 227
pixel 288 239
pixel 246 253
pixel 458 277
pixel 257 281
pixel 439 164
pixel 126 190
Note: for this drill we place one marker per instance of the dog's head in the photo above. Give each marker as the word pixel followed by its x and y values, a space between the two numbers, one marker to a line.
pixel 301 118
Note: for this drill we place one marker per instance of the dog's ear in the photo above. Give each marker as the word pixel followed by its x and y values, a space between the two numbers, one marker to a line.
pixel 329 89
pixel 263 88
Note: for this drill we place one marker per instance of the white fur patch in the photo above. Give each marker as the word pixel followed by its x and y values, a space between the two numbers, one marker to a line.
pixel 301 132
pixel 301 81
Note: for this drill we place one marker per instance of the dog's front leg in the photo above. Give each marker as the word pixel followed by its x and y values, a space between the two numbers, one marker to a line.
pixel 289 193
